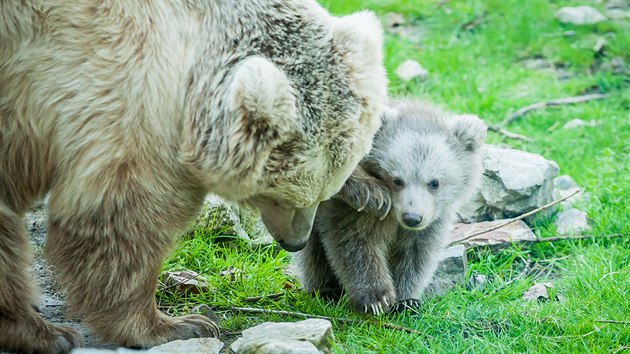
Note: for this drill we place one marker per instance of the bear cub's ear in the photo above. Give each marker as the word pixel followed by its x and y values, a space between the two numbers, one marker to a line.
pixel 262 94
pixel 469 130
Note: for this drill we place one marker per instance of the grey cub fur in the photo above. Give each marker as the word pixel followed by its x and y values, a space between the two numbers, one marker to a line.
pixel 379 238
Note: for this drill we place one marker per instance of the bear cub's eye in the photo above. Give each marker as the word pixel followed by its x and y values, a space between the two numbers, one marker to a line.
pixel 397 182
pixel 434 184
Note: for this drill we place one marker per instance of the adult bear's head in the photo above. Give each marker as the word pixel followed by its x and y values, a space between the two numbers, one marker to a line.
pixel 298 112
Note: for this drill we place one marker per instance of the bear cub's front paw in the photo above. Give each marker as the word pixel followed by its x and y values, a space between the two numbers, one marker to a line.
pixel 374 301
pixel 374 200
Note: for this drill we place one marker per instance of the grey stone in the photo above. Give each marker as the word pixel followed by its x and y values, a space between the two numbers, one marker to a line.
pixel 618 4
pixel 393 20
pixel 579 15
pixel 228 219
pixel 564 182
pixel 255 227
pixel 576 123
pixel 410 70
pixel 221 217
pixel 451 271
pixel 274 346
pixel 539 64
pixel 513 183
pixel 193 345
pixel 502 236
pixel 275 336
pixel 565 186
pixel 538 292
pixel 571 222
pixel 105 351
pixel 618 9
pixel 477 282
pixel 616 65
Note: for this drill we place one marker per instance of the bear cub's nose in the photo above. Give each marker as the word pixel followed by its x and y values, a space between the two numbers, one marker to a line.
pixel 411 219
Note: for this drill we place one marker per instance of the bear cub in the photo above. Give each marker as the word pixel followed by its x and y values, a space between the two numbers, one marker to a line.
pixel 380 237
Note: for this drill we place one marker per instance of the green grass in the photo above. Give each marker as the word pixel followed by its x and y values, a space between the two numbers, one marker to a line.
pixel 482 71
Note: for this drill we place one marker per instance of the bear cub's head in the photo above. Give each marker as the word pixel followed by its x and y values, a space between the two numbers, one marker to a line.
pixel 429 159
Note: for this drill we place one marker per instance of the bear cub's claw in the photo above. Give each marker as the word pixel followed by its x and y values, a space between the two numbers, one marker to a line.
pixel 375 302
pixel 378 202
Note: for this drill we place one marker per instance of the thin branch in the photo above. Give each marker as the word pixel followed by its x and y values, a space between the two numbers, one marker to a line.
pixel 553 103
pixel 268 296
pixel 614 321
pixel 338 319
pixel 576 237
pixel 509 134
pixel 513 220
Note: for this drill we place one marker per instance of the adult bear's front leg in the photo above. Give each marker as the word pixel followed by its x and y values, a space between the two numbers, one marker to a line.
pixel 108 244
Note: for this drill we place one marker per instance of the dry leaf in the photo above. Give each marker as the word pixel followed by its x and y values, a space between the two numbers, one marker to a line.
pixel 185 281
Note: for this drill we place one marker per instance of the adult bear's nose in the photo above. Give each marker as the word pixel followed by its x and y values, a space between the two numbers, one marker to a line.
pixel 411 219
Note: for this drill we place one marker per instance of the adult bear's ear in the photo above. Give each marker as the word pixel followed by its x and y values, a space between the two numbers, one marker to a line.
pixel 262 96
pixel 469 130
pixel 359 38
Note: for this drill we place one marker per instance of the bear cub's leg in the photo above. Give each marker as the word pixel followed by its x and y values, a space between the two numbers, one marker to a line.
pixel 413 260
pixel 21 326
pixel 316 275
pixel 358 255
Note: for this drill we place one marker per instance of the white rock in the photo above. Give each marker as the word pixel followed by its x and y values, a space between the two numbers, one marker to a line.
pixel 411 69
pixel 477 282
pixel 106 351
pixel 275 346
pixel 576 123
pixel 220 216
pixel 566 186
pixel 538 292
pixel 580 15
pixel 193 345
pixel 618 9
pixel 513 183
pixel 565 182
pixel 451 270
pixel 274 335
pixel 571 222
pixel 394 19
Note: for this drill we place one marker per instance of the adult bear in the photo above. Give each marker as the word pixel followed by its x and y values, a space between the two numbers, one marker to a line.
pixel 129 112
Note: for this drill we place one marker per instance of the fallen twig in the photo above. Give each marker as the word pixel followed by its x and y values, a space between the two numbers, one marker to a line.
pixel 268 296
pixel 513 220
pixel 576 237
pixel 338 319
pixel 474 22
pixel 614 321
pixel 508 134
pixel 561 101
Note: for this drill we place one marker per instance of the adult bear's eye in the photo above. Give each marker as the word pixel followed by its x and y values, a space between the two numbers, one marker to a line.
pixel 434 184
pixel 397 182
